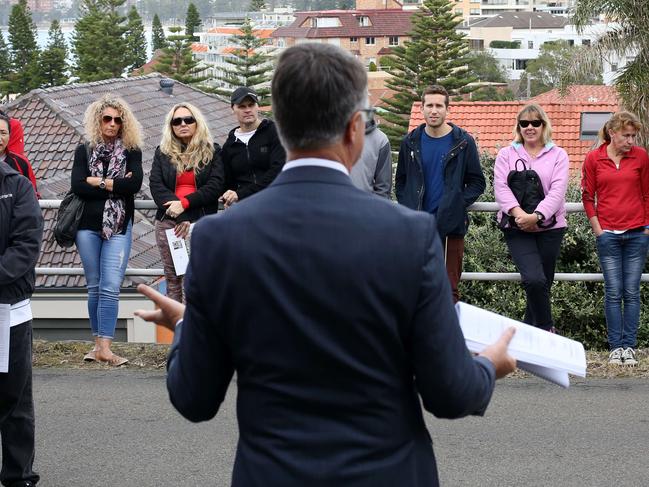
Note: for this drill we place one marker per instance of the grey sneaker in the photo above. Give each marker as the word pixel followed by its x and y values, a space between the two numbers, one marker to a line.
pixel 615 357
pixel 628 357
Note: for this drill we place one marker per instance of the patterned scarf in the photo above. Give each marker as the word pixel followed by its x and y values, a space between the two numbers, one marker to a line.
pixel 114 154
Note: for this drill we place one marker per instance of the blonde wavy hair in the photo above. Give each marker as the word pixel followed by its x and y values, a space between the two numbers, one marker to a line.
pixel 199 151
pixel 535 109
pixel 619 121
pixel 130 131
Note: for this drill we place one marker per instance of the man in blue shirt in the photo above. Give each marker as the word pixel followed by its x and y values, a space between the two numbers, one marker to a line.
pixel 439 172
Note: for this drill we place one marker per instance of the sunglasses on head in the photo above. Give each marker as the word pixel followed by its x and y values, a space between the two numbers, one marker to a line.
pixel 533 123
pixel 179 120
pixel 108 119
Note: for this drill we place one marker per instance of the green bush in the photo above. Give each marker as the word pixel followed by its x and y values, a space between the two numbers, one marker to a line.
pixel 577 307
pixel 505 44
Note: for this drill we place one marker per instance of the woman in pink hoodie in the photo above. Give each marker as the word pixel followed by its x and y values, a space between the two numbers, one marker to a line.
pixel 534 239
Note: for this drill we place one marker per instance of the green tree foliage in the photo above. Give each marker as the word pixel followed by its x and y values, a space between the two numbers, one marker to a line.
pixel 53 64
pixel 24 50
pixel 491 93
pixel 435 54
pixel 485 67
pixel 546 71
pixel 158 39
pixel 505 44
pixel 135 40
pixel 251 65
pixel 628 35
pixel 192 22
pixel 98 40
pixel 177 61
pixel 257 5
pixel 578 307
pixel 5 68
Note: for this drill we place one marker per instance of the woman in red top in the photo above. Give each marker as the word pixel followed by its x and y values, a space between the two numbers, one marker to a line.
pixel 186 181
pixel 615 193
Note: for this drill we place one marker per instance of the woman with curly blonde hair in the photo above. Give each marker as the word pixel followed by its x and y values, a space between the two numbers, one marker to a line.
pixel 186 181
pixel 106 174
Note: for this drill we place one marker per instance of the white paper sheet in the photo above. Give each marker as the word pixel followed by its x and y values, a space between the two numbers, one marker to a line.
pixel 547 355
pixel 5 333
pixel 179 250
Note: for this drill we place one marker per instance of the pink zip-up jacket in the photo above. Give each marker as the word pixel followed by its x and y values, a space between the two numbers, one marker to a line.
pixel 552 167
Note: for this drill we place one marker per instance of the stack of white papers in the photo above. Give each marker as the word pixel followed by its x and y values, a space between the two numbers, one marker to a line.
pixel 551 357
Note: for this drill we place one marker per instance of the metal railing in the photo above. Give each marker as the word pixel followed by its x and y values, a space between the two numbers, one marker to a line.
pixel 482 207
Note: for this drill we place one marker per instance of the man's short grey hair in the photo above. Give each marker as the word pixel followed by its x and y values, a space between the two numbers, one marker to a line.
pixel 316 89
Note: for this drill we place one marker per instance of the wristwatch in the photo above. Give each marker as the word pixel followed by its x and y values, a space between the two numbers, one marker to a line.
pixel 102 183
pixel 539 216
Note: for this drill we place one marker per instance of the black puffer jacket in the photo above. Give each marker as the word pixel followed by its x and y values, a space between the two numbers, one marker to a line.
pixel 203 201
pixel 21 232
pixel 250 168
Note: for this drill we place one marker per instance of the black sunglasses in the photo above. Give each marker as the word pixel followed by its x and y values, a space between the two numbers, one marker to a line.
pixel 108 119
pixel 533 123
pixel 178 120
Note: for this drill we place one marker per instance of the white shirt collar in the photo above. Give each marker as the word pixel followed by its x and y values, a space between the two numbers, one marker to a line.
pixel 312 161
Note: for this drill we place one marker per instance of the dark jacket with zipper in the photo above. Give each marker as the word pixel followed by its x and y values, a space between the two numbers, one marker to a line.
pixel 22 165
pixel 21 232
pixel 464 181
pixel 203 201
pixel 95 198
pixel 250 168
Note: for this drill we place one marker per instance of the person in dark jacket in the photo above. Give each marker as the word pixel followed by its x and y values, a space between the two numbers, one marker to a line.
pixel 439 172
pixel 106 174
pixel 252 154
pixel 21 231
pixel 186 181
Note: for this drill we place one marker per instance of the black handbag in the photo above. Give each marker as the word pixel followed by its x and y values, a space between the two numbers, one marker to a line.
pixel 526 185
pixel 67 221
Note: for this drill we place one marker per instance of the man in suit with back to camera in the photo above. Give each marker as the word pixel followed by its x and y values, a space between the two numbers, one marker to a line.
pixel 334 331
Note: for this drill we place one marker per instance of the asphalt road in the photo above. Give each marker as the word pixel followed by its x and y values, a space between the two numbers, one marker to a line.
pixel 117 428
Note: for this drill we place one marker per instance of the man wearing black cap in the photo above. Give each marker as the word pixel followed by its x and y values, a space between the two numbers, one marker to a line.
pixel 252 154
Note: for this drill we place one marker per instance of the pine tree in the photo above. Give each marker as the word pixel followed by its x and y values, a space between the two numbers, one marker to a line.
pixel 136 45
pixel 24 50
pixel 435 54
pixel 158 39
pixel 53 64
pixel 192 22
pixel 257 5
pixel 98 40
pixel 251 65
pixel 177 61
pixel 5 68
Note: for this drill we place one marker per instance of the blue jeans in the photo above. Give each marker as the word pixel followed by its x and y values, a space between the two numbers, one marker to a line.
pixel 104 264
pixel 622 257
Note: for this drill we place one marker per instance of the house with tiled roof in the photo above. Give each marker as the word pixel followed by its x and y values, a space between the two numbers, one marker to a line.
pixel 369 31
pixel 53 122
pixel 576 119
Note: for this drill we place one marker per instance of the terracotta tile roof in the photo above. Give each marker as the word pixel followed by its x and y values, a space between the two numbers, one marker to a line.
pixel 580 94
pixel 53 122
pixel 387 22
pixel 260 33
pixel 198 47
pixel 491 124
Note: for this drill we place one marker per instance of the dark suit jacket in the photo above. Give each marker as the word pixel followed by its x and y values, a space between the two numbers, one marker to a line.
pixel 334 308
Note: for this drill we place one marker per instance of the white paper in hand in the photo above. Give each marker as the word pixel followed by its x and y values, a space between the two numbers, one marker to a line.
pixel 179 251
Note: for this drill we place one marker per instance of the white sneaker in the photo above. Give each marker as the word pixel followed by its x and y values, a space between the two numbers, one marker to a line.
pixel 628 357
pixel 615 357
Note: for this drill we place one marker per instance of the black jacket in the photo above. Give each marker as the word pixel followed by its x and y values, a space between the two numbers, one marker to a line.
pixel 250 168
pixel 209 186
pixel 21 232
pixel 464 181
pixel 95 198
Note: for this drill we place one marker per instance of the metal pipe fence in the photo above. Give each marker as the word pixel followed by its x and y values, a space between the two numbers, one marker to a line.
pixel 491 207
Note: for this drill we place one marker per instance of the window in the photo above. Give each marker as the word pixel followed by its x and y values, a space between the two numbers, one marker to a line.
pixel 613 66
pixel 571 42
pixel 585 42
pixel 591 122
pixel 353 39
pixel 476 44
pixel 520 63
pixel 475 11
pixel 393 41
pixel 370 41
pixel 459 11
pixel 326 22
pixel 530 44
pixel 364 21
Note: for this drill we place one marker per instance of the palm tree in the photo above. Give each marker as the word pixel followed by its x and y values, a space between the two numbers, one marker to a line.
pixel 628 33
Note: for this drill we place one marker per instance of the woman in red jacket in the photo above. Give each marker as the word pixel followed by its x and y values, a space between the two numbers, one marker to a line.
pixel 615 193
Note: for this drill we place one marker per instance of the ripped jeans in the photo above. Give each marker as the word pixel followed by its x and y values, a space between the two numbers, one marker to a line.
pixel 104 264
